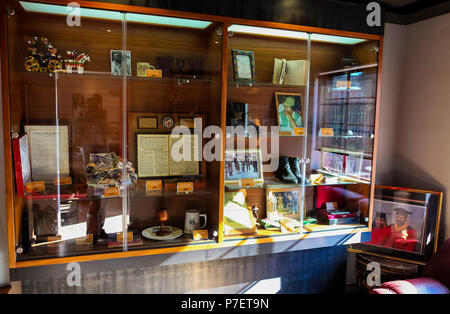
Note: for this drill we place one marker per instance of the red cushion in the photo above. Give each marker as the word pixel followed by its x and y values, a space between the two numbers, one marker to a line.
pixel 420 285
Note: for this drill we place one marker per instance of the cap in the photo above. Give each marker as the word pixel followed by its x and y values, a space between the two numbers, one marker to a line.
pixel 403 211
pixel 289 101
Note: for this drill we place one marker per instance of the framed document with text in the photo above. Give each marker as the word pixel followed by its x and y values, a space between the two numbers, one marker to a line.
pixel 49 151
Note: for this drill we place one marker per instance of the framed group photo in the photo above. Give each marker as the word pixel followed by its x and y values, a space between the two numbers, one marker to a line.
pixel 243 164
pixel 405 223
pixel 283 202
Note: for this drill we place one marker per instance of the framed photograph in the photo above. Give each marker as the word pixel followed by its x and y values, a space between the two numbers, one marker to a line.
pixel 244 67
pixel 120 62
pixel 332 162
pixel 405 223
pixel 241 165
pixel 289 112
pixel 283 202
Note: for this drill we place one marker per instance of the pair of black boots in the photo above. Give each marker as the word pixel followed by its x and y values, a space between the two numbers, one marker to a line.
pixel 289 170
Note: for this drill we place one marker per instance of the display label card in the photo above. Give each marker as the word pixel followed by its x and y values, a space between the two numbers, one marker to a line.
pixel 147 123
pixel 343 84
pixel 331 205
pixel 35 186
pixel 153 185
pixel 111 192
pixel 63 181
pixel 185 187
pixel 153 73
pixel 326 132
pixel 119 236
pixel 299 131
pixel 200 234
pixel 247 182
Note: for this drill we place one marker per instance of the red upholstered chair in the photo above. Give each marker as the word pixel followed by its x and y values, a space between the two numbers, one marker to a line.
pixel 435 278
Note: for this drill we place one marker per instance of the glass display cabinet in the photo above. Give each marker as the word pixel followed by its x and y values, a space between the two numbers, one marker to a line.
pixel 139 131
pixel 317 148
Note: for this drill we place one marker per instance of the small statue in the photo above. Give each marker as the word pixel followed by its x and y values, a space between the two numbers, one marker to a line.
pixel 75 61
pixel 42 56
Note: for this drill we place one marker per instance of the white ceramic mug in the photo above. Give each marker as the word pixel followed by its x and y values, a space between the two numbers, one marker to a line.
pixel 192 221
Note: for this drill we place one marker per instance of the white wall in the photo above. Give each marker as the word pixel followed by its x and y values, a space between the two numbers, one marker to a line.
pixel 414 141
pixel 4 269
pixel 394 52
pixel 422 150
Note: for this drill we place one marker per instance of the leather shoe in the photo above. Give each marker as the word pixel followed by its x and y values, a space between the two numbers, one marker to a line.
pixel 294 163
pixel 284 172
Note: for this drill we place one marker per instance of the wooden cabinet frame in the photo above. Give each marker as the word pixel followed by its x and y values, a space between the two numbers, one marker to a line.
pixel 225 21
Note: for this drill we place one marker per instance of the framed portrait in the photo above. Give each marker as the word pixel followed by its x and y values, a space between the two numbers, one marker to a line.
pixel 243 165
pixel 405 223
pixel 243 66
pixel 120 62
pixel 283 202
pixel 289 113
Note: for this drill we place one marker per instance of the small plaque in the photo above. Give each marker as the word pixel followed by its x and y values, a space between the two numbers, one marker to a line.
pixel 111 192
pixel 148 123
pixel 119 236
pixel 63 181
pixel 187 122
pixel 326 132
pixel 153 73
pixel 299 131
pixel 200 234
pixel 343 84
pixel 153 185
pixel 35 186
pixel 185 187
pixel 247 182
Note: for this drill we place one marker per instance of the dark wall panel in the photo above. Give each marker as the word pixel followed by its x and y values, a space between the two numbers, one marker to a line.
pixel 316 13
pixel 310 271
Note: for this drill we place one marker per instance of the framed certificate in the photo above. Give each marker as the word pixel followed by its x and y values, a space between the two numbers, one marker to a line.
pixel 49 151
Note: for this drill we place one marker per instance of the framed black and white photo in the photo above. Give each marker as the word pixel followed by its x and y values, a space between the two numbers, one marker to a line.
pixel 243 165
pixel 120 62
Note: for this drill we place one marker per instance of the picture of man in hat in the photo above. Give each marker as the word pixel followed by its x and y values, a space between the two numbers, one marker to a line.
pixel 289 112
pixel 401 235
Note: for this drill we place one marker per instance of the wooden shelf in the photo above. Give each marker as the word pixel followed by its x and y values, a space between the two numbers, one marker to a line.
pixel 309 231
pixel 263 84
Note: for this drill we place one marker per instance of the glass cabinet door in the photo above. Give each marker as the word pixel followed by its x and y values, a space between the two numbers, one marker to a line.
pixel 344 86
pixel 267 95
pixel 173 129
pixel 66 118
